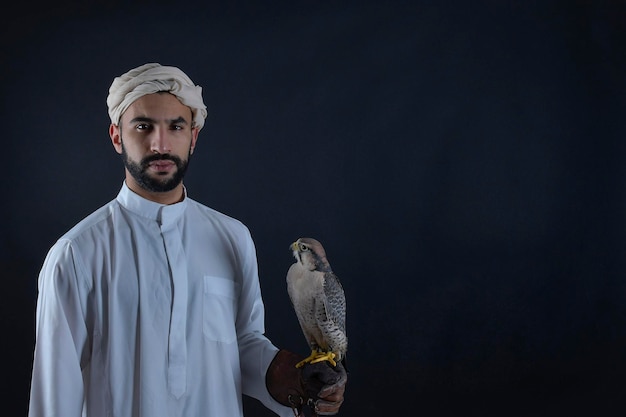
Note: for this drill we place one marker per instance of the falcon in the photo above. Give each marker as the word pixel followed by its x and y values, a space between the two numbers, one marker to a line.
pixel 319 302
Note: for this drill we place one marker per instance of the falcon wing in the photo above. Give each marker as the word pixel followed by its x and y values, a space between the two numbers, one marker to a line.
pixel 335 301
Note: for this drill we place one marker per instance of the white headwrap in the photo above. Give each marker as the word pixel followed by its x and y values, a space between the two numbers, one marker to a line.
pixel 152 78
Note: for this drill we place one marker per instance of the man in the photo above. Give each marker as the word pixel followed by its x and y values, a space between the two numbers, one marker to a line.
pixel 151 305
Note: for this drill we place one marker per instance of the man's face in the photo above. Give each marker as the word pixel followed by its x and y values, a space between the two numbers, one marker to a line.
pixel 155 138
pixel 141 171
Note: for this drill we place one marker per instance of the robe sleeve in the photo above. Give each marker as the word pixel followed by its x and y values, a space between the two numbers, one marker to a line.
pixel 255 350
pixel 61 345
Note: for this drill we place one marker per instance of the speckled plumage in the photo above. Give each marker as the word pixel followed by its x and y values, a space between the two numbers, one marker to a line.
pixel 318 300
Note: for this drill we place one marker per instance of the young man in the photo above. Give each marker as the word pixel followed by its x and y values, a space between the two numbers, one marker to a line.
pixel 151 305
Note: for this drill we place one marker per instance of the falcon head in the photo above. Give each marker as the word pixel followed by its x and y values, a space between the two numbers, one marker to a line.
pixel 310 254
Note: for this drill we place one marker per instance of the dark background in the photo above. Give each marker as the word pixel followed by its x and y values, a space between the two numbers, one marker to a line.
pixel 461 161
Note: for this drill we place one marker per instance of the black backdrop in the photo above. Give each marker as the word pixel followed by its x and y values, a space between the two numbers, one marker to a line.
pixel 461 161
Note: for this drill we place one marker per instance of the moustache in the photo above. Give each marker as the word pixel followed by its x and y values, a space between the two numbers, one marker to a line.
pixel 164 157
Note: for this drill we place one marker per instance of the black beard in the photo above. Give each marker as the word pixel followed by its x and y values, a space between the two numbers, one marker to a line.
pixel 148 183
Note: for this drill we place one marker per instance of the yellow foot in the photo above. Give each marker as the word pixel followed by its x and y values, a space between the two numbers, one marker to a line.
pixel 317 356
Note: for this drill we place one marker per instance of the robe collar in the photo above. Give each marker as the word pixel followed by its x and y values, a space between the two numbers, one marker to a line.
pixel 163 214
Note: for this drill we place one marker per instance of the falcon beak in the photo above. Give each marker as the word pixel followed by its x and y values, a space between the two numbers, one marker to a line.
pixel 294 246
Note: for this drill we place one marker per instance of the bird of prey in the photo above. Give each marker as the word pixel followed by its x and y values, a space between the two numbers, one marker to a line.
pixel 319 302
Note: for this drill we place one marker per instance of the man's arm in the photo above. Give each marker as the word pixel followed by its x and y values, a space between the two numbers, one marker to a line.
pixel 61 334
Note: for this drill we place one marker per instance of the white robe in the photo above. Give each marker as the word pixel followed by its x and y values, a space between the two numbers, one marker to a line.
pixel 149 310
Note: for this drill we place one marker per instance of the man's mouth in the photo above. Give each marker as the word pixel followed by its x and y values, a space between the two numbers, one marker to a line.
pixel 161 165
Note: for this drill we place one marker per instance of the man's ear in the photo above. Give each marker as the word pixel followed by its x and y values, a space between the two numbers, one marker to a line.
pixel 194 137
pixel 116 137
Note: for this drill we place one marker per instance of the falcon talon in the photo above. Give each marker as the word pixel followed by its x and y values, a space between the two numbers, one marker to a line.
pixel 329 357
pixel 329 360
pixel 317 356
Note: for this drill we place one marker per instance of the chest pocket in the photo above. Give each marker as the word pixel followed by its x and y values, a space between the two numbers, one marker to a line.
pixel 219 309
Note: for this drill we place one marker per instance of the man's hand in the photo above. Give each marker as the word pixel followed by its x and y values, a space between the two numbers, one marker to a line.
pixel 325 386
pixel 317 386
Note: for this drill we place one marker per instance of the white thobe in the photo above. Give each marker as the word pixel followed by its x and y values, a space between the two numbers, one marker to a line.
pixel 150 310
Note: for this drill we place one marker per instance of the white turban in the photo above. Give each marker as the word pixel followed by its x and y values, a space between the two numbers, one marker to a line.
pixel 152 78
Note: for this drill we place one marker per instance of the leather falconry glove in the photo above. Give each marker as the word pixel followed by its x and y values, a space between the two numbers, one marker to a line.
pixel 314 389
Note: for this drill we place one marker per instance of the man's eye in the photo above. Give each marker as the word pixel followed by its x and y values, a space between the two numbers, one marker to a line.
pixel 177 127
pixel 142 126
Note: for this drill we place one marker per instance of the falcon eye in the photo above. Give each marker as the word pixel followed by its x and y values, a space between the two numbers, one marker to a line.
pixel 303 247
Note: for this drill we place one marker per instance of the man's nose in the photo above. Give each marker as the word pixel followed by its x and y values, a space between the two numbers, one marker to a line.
pixel 160 142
